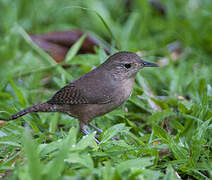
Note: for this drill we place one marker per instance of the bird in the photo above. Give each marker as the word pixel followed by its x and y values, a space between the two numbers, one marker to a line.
pixel 95 93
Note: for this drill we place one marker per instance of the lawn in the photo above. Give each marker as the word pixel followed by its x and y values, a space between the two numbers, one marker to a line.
pixel 164 131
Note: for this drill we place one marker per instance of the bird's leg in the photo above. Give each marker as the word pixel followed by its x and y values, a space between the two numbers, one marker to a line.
pixel 99 130
pixel 96 128
pixel 84 129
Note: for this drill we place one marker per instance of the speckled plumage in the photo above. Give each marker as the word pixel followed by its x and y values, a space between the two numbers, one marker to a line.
pixel 97 92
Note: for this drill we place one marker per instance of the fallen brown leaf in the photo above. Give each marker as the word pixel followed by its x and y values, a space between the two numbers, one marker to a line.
pixel 57 52
pixel 2 123
pixel 58 43
pixel 163 152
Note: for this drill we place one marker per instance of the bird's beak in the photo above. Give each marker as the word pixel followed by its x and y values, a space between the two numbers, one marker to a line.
pixel 148 64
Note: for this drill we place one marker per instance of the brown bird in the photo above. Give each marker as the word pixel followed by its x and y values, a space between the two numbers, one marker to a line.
pixel 95 93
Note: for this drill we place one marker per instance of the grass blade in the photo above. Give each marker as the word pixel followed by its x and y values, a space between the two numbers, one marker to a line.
pixel 33 163
pixel 74 49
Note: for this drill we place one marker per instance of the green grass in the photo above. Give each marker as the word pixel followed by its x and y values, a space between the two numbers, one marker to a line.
pixel 49 146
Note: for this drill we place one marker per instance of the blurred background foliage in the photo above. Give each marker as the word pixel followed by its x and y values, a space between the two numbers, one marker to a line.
pixel 169 140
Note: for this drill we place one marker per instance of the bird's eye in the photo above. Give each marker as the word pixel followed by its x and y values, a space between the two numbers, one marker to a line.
pixel 127 66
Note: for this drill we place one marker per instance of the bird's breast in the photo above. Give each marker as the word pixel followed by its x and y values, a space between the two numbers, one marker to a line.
pixel 124 91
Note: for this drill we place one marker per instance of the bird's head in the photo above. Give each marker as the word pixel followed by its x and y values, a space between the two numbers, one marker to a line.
pixel 126 64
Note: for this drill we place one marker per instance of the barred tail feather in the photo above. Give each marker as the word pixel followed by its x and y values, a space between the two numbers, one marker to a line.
pixel 43 107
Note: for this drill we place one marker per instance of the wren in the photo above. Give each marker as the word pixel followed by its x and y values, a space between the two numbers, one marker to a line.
pixel 97 92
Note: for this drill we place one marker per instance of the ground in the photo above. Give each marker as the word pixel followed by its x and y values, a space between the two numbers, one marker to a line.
pixel 163 131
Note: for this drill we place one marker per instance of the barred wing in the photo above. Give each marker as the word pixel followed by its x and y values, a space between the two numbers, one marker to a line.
pixel 68 95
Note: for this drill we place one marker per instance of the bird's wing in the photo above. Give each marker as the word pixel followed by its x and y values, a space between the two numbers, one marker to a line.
pixel 68 95
pixel 72 95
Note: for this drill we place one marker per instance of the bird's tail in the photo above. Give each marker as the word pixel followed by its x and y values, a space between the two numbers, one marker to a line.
pixel 43 107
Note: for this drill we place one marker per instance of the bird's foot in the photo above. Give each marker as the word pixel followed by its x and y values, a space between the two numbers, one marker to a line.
pixel 115 138
pixel 84 129
pixel 96 128
pixel 99 130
